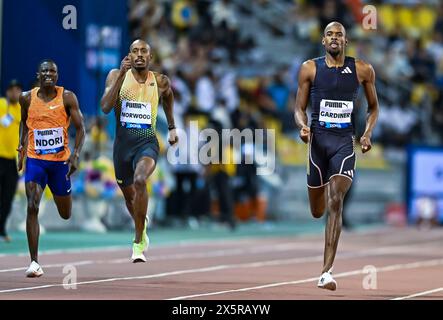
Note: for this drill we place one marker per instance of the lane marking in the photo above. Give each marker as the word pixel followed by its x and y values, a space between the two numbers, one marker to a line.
pixel 419 294
pixel 199 242
pixel 394 267
pixel 266 263
pixel 282 247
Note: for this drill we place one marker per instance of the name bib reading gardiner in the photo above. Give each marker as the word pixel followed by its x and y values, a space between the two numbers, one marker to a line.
pixel 48 141
pixel 335 113
pixel 136 115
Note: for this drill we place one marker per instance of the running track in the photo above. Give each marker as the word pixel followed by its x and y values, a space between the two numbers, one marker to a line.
pixel 409 265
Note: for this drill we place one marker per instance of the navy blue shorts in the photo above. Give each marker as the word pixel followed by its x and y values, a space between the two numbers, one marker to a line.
pixel 330 155
pixel 51 173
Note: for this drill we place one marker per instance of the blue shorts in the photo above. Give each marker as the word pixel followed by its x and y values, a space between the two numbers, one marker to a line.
pixel 51 173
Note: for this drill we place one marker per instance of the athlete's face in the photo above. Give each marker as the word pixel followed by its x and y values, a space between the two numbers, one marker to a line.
pixel 335 40
pixel 140 55
pixel 47 74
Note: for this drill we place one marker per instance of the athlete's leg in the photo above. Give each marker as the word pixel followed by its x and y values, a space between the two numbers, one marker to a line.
pixel 129 194
pixel 64 205
pixel 337 189
pixel 317 170
pixel 60 186
pixel 34 192
pixel 124 174
pixel 317 200
pixel 144 168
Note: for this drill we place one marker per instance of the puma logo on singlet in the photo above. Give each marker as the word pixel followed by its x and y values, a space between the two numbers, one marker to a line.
pixel 135 105
pixel 46 132
pixel 334 104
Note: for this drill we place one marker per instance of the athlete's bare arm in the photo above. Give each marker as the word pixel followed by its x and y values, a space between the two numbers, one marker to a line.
pixel 366 76
pixel 305 79
pixel 71 104
pixel 25 101
pixel 114 83
pixel 165 90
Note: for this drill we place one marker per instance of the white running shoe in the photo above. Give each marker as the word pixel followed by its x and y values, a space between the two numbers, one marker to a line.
pixel 34 270
pixel 137 252
pixel 326 281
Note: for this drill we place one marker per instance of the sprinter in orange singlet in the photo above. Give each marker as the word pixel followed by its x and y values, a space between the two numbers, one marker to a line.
pixel 46 113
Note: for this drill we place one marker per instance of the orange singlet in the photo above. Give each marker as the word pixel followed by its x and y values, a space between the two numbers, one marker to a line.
pixel 48 125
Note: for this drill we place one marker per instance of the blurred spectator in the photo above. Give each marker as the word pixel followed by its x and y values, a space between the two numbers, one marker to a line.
pixel 223 12
pixel 186 176
pixel 423 65
pixel 228 89
pixel 99 137
pixel 396 67
pixel 144 16
pixel 221 179
pixel 398 123
pixel 205 91
pixel 279 91
pixel 221 114
pixel 435 46
pixel 10 117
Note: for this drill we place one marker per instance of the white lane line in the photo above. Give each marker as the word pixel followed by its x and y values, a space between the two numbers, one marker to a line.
pixel 181 243
pixel 419 294
pixel 201 242
pixel 56 265
pixel 282 247
pixel 68 251
pixel 413 265
pixel 266 263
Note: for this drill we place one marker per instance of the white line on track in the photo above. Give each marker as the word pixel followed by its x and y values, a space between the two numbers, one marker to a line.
pixel 419 294
pixel 282 247
pixel 266 263
pixel 413 265
pixel 197 242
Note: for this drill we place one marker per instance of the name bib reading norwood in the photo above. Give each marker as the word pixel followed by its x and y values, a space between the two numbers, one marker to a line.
pixel 136 115
pixel 335 111
pixel 48 141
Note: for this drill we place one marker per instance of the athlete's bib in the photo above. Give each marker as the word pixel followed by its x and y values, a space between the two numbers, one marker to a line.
pixel 48 141
pixel 136 115
pixel 335 113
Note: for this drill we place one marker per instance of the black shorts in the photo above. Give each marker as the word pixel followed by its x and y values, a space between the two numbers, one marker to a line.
pixel 126 158
pixel 330 155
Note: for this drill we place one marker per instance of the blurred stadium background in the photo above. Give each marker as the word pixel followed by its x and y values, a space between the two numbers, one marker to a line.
pixel 234 64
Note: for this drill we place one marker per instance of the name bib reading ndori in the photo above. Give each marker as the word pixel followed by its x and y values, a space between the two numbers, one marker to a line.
pixel 336 113
pixel 48 141
pixel 136 115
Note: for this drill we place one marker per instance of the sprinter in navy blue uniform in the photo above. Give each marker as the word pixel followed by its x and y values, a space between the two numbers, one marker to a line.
pixel 331 84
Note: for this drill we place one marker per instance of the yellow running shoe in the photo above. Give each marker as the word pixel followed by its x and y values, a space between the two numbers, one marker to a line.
pixel 145 238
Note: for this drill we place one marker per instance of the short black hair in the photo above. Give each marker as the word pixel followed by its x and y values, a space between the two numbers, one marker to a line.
pixel 14 84
pixel 46 61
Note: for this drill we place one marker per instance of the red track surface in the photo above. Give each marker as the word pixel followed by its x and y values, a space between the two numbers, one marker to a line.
pixel 407 261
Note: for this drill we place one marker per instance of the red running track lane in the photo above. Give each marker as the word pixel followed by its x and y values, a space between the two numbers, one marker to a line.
pixel 408 265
